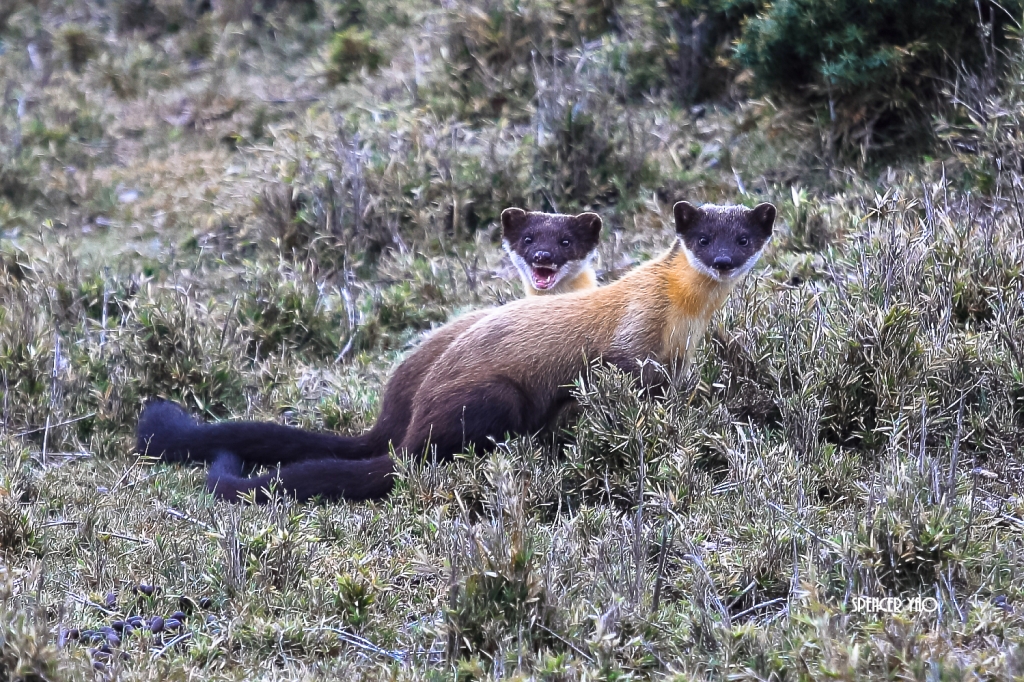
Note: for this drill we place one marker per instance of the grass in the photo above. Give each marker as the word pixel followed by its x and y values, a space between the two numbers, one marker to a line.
pixel 209 216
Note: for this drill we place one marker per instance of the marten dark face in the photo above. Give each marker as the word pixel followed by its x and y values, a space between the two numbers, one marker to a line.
pixel 548 248
pixel 723 242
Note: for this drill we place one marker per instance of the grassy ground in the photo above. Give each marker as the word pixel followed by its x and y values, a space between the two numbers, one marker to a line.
pixel 257 217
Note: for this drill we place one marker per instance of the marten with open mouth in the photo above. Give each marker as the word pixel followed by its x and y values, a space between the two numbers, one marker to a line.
pixel 553 253
pixel 501 372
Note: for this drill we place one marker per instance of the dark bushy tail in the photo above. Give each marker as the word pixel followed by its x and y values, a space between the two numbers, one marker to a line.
pixel 167 431
pixel 362 479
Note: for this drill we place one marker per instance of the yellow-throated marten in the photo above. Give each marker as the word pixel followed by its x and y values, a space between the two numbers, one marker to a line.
pixel 552 253
pixel 504 371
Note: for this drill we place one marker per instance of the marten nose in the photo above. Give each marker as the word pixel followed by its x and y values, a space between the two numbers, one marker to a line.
pixel 722 263
pixel 542 258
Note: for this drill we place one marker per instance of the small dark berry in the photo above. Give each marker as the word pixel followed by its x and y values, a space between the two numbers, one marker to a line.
pixel 157 624
pixel 98 665
pixel 172 623
pixel 147 590
pixel 74 633
pixel 111 600
pixel 211 619
pixel 178 615
pixel 205 602
pixel 135 621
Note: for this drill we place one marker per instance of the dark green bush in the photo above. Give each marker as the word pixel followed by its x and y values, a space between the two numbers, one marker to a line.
pixel 876 64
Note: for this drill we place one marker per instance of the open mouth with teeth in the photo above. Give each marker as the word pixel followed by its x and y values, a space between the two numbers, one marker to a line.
pixel 544 278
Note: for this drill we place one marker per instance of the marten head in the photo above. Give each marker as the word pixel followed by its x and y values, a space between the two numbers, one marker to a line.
pixel 549 249
pixel 723 242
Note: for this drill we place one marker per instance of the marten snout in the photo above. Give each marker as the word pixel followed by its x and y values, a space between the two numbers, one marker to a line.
pixel 542 258
pixel 723 263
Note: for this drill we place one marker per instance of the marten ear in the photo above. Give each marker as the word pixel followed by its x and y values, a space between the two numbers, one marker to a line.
pixel 512 220
pixel 763 215
pixel 686 215
pixel 588 228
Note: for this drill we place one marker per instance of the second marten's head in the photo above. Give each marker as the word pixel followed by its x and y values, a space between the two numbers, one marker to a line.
pixel 552 252
pixel 723 242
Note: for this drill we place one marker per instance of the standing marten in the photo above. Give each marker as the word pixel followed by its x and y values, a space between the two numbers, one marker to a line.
pixel 505 371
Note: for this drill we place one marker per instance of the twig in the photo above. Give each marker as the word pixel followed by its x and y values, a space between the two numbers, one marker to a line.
pixel 66 456
pixel 63 423
pixel 53 395
pixel 748 588
pixel 141 480
pixel 759 606
pixel 1012 345
pixel 177 640
pixel 696 560
pixel 660 579
pixel 227 321
pixel 122 536
pixel 124 476
pixel 1012 519
pixel 804 528
pixel 103 314
pixel 362 643
pixel 174 513
pixel 566 642
pixel 85 602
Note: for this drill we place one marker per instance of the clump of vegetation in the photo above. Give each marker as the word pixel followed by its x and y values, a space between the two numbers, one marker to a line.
pixel 26 650
pixel 78 44
pixel 615 467
pixel 350 51
pixel 179 354
pixel 292 314
pixel 499 602
pixel 882 356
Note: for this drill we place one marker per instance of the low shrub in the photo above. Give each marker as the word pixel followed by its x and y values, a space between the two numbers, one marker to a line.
pixel 350 51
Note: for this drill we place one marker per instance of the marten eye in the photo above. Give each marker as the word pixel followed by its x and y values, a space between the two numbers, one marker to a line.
pixel 528 240
pixel 742 241
pixel 565 242
pixel 703 241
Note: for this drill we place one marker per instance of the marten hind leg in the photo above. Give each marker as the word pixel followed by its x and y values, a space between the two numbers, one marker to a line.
pixel 358 479
pixel 453 420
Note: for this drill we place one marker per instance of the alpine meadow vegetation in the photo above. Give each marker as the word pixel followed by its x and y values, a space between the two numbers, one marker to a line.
pixel 256 207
